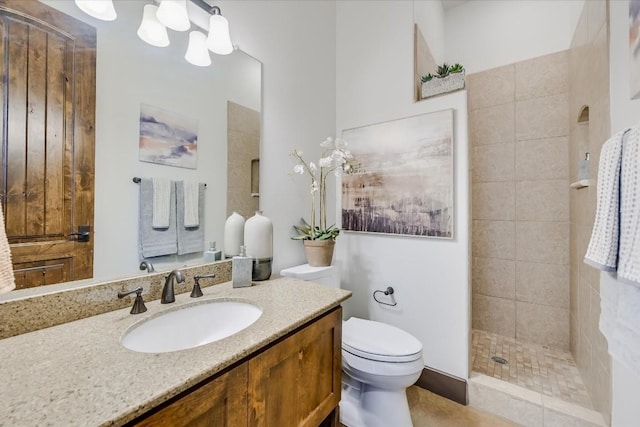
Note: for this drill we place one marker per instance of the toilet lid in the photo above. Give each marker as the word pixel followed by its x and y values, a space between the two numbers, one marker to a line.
pixel 379 341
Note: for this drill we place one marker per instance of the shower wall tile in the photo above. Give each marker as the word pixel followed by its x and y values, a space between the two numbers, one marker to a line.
pixel 494 201
pixel 542 159
pixel 493 239
pixel 492 87
pixel 543 117
pixel 544 242
pixel 497 315
pixel 584 317
pixel 542 76
pixel 492 163
pixel 544 284
pixel 589 76
pixel 542 200
pixel 601 396
pixel 542 324
pixel 494 277
pixel 492 125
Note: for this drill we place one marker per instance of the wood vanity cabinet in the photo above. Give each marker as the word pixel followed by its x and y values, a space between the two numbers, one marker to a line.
pixel 293 382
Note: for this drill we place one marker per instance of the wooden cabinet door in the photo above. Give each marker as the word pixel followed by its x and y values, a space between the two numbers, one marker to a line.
pixel 47 70
pixel 297 381
pixel 222 402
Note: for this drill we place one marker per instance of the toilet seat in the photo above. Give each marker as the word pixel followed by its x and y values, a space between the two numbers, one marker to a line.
pixel 379 342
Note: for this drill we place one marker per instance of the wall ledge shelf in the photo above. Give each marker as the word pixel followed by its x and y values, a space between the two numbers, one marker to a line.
pixel 583 183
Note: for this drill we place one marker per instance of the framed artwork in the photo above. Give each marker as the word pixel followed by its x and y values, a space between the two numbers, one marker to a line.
pixel 404 183
pixel 634 48
pixel 167 138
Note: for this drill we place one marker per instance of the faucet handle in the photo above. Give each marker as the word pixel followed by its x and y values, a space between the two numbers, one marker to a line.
pixel 138 304
pixel 197 292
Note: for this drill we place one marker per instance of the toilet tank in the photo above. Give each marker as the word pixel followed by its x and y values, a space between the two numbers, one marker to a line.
pixel 328 276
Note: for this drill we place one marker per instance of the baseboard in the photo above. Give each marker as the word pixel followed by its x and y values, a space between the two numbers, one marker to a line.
pixel 453 388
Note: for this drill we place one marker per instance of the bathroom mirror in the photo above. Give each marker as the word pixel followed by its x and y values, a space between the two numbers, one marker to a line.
pixel 129 73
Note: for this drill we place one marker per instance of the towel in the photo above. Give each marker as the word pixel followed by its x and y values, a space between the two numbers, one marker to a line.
pixel 156 242
pixel 629 248
pixel 191 196
pixel 190 239
pixel 602 252
pixel 7 281
pixel 161 202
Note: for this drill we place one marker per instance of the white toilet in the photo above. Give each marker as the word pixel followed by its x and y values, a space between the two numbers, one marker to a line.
pixel 379 362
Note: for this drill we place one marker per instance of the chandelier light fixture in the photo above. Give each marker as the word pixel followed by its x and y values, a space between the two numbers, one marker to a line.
pixel 99 9
pixel 151 30
pixel 173 14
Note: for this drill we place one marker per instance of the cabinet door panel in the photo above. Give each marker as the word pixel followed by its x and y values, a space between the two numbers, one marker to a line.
pixel 221 402
pixel 297 381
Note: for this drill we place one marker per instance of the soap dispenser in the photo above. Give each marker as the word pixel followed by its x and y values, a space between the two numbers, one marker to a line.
pixel 241 269
pixel 212 254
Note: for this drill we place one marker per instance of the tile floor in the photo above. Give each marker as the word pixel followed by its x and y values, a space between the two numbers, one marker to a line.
pixel 542 369
pixel 430 410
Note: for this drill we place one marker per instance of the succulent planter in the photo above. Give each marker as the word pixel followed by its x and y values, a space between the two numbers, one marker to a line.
pixel 440 85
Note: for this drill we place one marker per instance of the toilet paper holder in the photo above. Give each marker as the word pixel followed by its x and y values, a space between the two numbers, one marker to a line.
pixel 388 291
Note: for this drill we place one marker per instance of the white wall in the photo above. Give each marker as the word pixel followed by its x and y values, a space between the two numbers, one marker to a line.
pixel 296 43
pixel 624 113
pixel 484 34
pixel 430 276
pixel 429 15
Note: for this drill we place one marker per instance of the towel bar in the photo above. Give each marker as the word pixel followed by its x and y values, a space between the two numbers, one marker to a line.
pixel 137 180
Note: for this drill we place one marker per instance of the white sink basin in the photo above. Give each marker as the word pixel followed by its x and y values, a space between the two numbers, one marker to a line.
pixel 190 326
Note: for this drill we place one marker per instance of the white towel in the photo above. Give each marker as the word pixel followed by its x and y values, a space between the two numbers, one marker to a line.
pixel 602 252
pixel 191 196
pixel 190 239
pixel 161 202
pixel 7 281
pixel 629 248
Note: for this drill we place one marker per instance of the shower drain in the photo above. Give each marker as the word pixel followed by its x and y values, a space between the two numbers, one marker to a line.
pixel 500 360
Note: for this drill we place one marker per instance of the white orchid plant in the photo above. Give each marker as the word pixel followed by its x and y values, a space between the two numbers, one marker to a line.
pixel 335 159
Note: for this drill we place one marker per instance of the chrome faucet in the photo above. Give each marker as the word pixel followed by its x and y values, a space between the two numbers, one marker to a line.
pixel 168 295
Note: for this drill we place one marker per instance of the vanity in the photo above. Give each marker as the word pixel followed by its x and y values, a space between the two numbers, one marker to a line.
pixel 284 369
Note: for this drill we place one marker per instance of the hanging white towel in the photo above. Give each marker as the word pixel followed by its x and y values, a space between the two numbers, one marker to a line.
pixel 602 252
pixel 190 239
pixel 161 202
pixel 7 281
pixel 629 248
pixel 191 200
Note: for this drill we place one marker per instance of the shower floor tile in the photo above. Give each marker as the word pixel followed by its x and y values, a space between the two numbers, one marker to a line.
pixel 539 368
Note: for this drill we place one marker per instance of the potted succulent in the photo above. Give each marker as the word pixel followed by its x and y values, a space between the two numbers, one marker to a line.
pixel 448 78
pixel 317 237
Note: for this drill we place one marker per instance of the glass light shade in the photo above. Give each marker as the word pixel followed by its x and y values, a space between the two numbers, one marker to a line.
pixel 173 14
pixel 219 40
pixel 99 9
pixel 197 52
pixel 151 30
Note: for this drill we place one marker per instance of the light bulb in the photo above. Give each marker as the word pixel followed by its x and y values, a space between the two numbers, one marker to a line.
pixel 99 9
pixel 219 40
pixel 197 52
pixel 151 30
pixel 173 14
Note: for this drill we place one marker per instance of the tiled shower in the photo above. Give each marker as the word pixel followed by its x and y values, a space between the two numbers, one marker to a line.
pixel 533 298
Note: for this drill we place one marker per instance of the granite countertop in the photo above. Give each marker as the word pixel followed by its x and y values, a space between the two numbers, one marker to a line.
pixel 78 373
